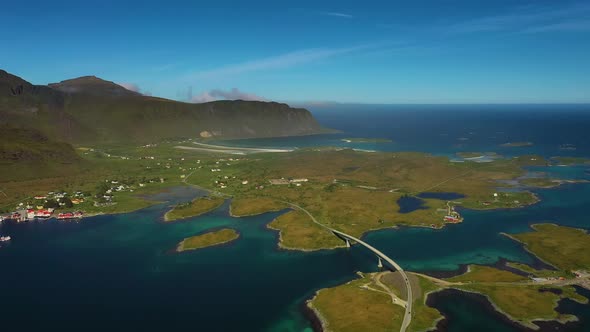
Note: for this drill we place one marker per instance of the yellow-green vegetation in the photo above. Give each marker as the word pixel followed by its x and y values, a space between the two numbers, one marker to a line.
pixel 522 303
pixel 195 208
pixel 248 206
pixel 208 239
pixel 537 273
pixel 479 273
pixel 357 191
pixel 563 247
pixel 520 299
pixel 424 318
pixel 359 305
pixel 298 231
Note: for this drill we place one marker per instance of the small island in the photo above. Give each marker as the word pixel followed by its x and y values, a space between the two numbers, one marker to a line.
pixel 195 208
pixel 517 144
pixel 474 155
pixel 209 239
pixel 540 182
pixel 570 161
pixel 366 140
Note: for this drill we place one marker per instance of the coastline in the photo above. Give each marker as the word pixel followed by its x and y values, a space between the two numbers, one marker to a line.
pixel 529 324
pixel 525 247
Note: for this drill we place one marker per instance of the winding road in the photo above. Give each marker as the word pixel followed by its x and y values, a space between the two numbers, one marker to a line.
pixel 409 299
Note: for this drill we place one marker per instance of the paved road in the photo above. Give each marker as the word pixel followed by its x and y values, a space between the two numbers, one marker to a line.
pixel 408 313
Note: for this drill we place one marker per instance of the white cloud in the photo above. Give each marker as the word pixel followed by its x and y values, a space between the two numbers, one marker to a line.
pixel 531 19
pixel 275 62
pixel 337 14
pixel 218 94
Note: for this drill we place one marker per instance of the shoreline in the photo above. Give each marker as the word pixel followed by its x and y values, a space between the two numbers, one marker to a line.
pixel 492 308
pixel 528 323
pixel 525 247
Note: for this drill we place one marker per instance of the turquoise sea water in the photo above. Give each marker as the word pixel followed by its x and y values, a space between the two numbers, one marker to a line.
pixel 118 272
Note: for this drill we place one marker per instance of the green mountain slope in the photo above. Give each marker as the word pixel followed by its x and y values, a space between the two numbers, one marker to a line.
pixel 27 153
pixel 89 109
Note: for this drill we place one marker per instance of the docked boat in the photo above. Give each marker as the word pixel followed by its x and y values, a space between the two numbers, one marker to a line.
pixel 5 238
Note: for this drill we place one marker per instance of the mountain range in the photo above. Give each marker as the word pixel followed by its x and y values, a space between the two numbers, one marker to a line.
pixel 89 109
pixel 39 124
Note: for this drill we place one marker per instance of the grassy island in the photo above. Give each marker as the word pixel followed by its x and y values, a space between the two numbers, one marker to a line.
pixel 565 248
pixel 208 239
pixel 195 208
pixel 366 140
pixel 570 161
pixel 517 144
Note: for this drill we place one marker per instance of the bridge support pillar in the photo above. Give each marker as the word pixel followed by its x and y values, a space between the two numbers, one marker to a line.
pixel 347 243
pixel 379 263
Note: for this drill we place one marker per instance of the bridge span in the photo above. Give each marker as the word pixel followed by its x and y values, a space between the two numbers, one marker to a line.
pixel 381 256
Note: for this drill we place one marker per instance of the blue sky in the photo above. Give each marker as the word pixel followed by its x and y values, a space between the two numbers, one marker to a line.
pixel 468 51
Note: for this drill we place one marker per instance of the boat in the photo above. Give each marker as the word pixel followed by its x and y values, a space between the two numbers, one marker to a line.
pixel 5 238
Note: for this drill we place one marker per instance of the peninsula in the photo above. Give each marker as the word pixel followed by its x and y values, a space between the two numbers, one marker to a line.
pixel 195 208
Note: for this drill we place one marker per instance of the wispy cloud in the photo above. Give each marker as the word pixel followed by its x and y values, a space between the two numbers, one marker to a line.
pixel 530 19
pixel 337 14
pixel 218 94
pixel 573 25
pixel 276 62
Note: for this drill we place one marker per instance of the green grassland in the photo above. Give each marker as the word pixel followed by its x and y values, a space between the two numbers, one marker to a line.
pixel 352 307
pixel 424 318
pixel 517 297
pixel 195 208
pixel 297 231
pixel 356 191
pixel 522 303
pixel 479 273
pixel 348 190
pixel 543 273
pixel 209 239
pixel 560 246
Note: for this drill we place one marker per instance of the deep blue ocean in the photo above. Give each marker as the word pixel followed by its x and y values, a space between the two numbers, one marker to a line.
pixel 110 273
